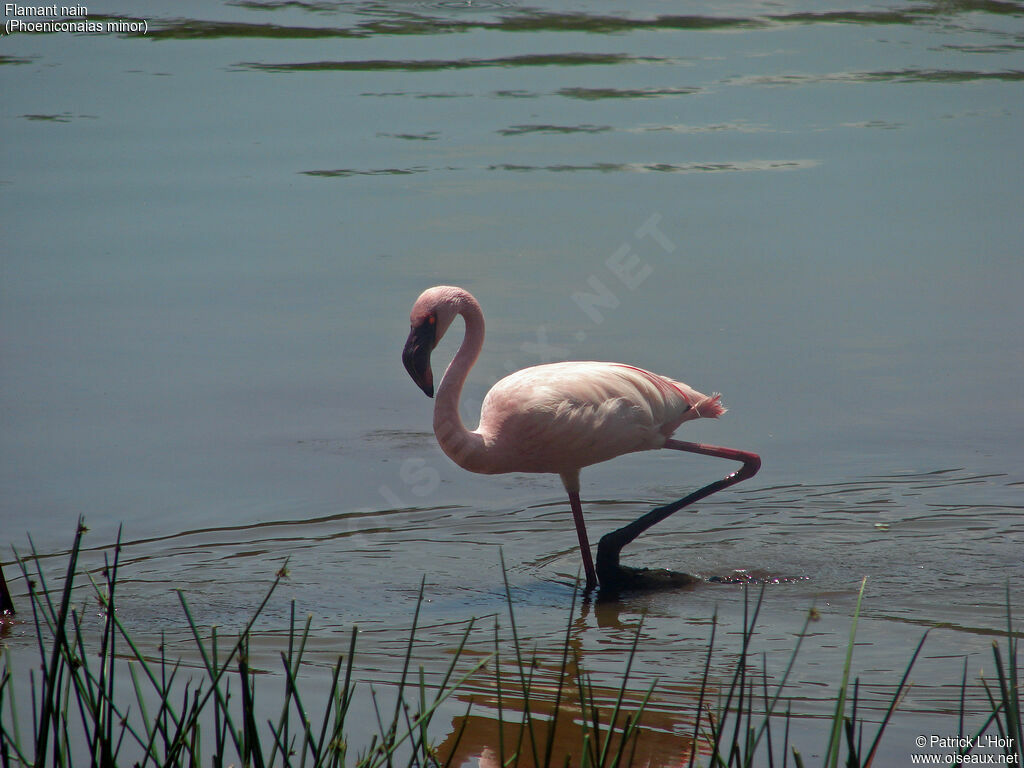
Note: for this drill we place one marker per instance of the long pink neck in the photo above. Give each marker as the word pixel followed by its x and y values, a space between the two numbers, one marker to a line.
pixel 465 448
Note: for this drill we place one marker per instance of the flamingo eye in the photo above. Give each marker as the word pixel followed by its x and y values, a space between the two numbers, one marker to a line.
pixel 432 319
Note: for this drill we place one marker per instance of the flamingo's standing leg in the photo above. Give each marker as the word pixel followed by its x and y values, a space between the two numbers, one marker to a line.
pixel 610 572
pixel 581 531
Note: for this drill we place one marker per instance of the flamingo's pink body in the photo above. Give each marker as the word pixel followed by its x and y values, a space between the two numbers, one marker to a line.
pixel 562 417
pixel 555 418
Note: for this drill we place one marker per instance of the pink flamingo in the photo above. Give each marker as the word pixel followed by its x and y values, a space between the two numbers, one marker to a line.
pixel 558 418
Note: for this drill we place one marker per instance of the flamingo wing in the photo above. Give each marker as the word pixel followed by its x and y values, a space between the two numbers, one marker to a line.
pixel 564 416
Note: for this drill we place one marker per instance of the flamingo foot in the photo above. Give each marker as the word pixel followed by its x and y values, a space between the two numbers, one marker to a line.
pixel 615 577
pixel 627 579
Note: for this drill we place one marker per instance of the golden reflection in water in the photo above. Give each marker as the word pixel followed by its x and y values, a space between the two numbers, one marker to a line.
pixel 503 722
pixel 479 747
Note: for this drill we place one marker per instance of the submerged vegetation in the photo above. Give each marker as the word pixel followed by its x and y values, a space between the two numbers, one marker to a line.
pixel 100 699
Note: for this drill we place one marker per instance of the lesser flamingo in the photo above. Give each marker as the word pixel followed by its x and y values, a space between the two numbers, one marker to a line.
pixel 558 418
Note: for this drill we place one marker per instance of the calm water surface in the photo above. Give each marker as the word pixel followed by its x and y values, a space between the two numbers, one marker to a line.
pixel 213 234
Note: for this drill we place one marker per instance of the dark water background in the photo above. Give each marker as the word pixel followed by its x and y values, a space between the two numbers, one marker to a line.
pixel 213 234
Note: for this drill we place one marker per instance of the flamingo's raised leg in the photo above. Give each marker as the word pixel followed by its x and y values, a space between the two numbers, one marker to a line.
pixel 614 576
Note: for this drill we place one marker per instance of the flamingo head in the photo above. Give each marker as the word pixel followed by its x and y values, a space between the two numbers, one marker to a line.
pixel 431 315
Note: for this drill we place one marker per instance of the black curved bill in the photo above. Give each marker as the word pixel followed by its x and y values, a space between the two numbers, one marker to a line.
pixel 416 356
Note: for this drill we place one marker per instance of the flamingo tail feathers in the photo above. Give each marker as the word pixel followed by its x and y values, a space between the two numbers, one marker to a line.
pixel 710 407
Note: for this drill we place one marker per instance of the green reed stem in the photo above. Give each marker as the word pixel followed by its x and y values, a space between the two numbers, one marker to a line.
pixel 832 752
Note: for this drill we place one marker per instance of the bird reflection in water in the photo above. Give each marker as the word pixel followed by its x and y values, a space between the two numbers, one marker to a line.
pixel 503 727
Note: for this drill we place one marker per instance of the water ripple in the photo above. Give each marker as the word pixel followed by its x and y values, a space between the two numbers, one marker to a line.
pixel 433 65
pixel 705 167
pixel 401 22
pixel 593 94
pixel 519 130
pixel 908 75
